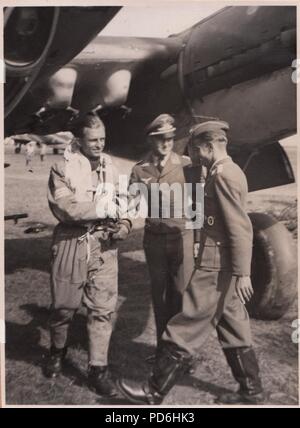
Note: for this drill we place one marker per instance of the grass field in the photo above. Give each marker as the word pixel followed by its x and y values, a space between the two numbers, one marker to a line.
pixel 28 298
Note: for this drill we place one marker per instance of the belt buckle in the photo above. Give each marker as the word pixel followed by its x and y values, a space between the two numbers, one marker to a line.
pixel 210 220
pixel 99 227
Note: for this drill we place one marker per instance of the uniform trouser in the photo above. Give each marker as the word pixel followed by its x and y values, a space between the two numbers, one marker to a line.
pixel 209 302
pixel 170 261
pixel 91 279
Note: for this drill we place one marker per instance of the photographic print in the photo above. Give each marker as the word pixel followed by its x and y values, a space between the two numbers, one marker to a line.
pixel 150 204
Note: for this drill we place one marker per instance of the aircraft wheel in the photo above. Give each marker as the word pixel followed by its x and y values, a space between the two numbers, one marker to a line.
pixel 274 268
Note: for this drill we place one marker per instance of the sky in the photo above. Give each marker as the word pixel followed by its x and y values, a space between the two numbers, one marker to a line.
pixel 158 20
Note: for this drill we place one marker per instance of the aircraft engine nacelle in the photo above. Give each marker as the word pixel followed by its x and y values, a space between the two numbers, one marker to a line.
pixel 61 87
pixel 237 44
pixel 28 34
pixel 98 89
pixel 237 65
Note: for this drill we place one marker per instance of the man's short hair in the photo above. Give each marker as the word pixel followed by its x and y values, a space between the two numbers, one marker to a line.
pixel 90 120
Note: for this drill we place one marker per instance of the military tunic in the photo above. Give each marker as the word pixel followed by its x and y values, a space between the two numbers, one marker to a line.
pixel 210 299
pixel 168 244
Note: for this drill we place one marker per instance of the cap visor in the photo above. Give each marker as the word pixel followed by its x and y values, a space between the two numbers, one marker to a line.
pixel 168 134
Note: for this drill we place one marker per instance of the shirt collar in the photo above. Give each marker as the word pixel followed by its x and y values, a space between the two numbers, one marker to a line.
pixel 157 161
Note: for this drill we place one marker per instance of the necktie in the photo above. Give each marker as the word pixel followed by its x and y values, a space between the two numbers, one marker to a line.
pixel 160 166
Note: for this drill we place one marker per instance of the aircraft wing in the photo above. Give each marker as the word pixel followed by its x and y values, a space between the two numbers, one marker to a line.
pixel 58 139
pixel 99 77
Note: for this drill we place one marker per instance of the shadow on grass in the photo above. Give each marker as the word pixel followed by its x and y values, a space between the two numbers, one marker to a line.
pixel 24 344
pixel 194 382
pixel 24 341
pixel 127 357
pixel 30 253
pixel 127 353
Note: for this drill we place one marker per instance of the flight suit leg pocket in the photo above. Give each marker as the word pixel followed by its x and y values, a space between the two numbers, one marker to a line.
pixel 68 272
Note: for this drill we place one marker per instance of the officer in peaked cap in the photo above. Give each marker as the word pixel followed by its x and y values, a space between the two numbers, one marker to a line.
pixel 168 244
pixel 162 125
pixel 209 126
pixel 219 286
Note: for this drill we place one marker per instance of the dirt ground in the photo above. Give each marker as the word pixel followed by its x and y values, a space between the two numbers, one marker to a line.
pixel 28 298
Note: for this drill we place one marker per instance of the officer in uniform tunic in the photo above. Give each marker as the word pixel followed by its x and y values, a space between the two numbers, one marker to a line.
pixel 219 286
pixel 81 194
pixel 168 244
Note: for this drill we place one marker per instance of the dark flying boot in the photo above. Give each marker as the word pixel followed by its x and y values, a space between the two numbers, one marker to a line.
pixel 168 368
pixel 245 370
pixel 99 378
pixel 190 369
pixel 54 362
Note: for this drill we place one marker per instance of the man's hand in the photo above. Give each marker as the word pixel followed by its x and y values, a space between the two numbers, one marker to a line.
pixel 121 234
pixel 244 288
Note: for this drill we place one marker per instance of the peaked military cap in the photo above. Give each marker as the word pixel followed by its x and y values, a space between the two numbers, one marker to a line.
pixel 208 126
pixel 163 124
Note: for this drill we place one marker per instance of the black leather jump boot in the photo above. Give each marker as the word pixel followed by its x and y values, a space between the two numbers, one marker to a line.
pixel 100 380
pixel 190 369
pixel 168 367
pixel 245 370
pixel 54 363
